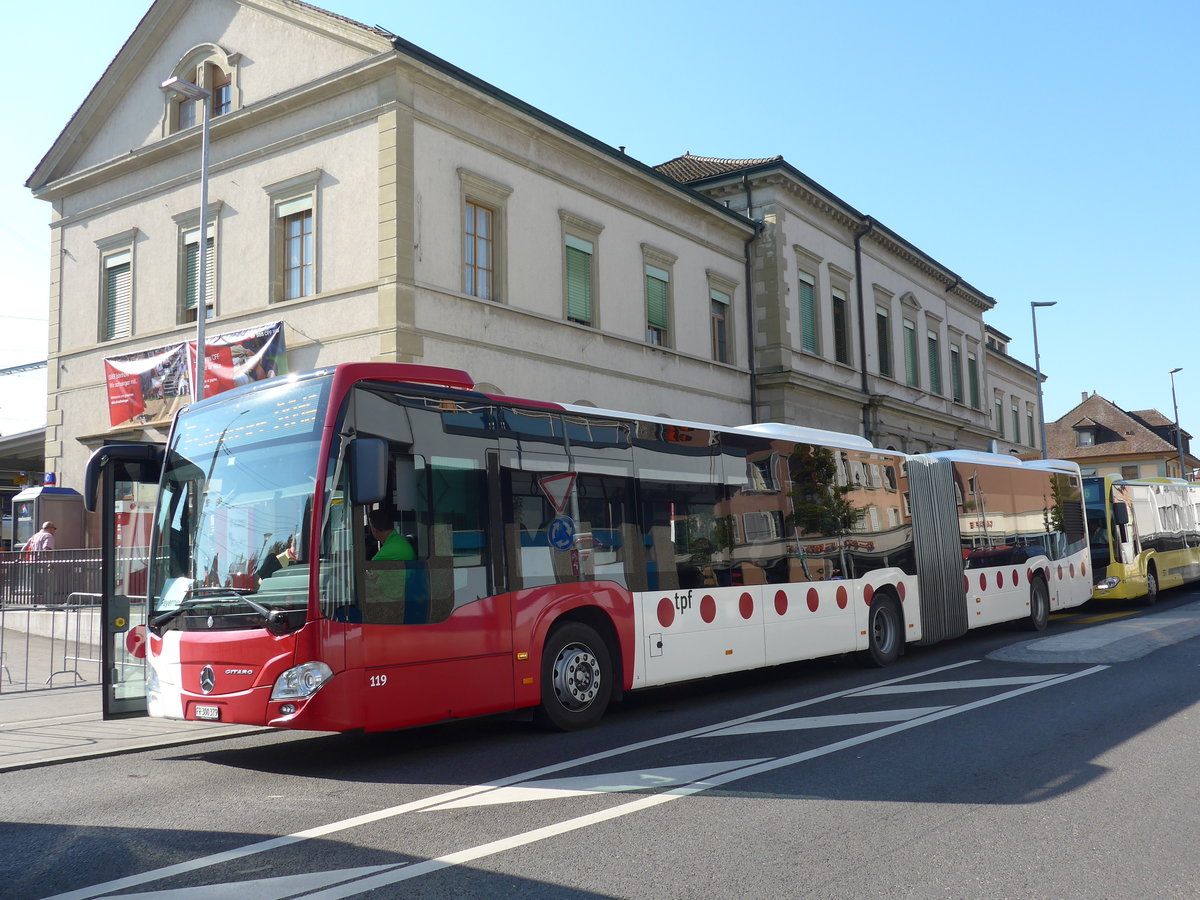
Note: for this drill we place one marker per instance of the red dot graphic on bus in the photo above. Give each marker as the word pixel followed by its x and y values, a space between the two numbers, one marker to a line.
pixel 666 612
pixel 868 593
pixel 842 598
pixel 1083 568
pixel 966 585
pixel 1016 578
pixel 708 608
pixel 999 579
pixel 982 581
pixel 900 590
pixel 1029 574
pixel 1072 570
pixel 814 599
pixel 135 641
pixel 781 603
pixel 746 606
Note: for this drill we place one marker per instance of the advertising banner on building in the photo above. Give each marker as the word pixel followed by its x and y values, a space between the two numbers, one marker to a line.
pixel 150 386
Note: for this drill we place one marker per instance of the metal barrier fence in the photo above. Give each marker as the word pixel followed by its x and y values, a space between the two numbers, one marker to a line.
pixel 50 646
pixel 50 627
pixel 49 578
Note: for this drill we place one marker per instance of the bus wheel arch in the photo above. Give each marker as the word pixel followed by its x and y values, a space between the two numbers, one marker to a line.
pixel 1151 584
pixel 885 630
pixel 579 671
pixel 1039 603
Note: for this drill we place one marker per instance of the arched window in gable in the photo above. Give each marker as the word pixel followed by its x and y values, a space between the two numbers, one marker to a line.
pixel 210 68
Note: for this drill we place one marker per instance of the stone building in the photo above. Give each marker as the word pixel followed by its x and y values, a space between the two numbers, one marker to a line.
pixel 383 204
pixel 856 329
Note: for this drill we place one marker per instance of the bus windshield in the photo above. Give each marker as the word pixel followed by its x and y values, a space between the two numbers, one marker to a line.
pixel 1096 508
pixel 234 508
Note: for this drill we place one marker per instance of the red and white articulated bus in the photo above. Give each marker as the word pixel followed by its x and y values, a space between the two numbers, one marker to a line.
pixel 554 556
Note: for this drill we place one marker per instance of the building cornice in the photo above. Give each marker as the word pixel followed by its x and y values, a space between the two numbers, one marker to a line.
pixel 782 175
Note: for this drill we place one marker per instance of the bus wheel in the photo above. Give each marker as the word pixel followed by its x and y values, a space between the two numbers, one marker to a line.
pixel 1151 587
pixel 576 679
pixel 885 632
pixel 1039 606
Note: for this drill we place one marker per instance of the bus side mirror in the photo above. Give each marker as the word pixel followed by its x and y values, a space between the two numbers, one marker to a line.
pixel 1120 513
pixel 368 470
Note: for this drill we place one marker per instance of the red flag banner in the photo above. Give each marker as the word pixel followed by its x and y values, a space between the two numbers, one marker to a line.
pixel 146 387
pixel 150 386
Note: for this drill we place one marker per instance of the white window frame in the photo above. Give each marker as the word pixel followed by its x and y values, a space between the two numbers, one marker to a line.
pixel 286 198
pixel 479 190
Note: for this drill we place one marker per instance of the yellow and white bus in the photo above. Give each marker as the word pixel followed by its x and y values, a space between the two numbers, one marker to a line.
pixel 1144 535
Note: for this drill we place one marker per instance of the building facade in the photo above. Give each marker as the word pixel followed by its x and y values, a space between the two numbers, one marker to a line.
pixel 857 330
pixel 385 205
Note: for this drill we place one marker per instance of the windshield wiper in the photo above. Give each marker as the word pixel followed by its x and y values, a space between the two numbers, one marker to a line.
pixel 278 622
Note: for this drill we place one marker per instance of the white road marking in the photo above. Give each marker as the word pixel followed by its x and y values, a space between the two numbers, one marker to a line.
pixel 952 685
pixel 863 718
pixel 608 782
pixel 461 857
pixel 270 844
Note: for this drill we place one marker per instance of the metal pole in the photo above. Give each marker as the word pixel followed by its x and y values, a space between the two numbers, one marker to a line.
pixel 1178 433
pixel 202 294
pixel 1037 368
pixel 179 86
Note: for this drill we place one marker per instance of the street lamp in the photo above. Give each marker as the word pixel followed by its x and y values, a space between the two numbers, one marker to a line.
pixel 1178 433
pixel 1037 368
pixel 182 88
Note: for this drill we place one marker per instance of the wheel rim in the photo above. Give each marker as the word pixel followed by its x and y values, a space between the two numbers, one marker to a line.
pixel 1151 585
pixel 1041 606
pixel 576 676
pixel 883 630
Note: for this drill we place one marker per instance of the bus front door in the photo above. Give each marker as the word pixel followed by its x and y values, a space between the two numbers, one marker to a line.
pixel 124 478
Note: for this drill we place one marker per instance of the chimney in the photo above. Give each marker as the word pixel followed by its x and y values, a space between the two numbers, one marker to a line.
pixel 1085 395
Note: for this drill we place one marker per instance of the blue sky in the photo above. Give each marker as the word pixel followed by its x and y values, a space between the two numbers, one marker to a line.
pixel 1043 151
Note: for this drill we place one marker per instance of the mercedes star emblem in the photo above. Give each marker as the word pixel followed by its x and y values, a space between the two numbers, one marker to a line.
pixel 208 680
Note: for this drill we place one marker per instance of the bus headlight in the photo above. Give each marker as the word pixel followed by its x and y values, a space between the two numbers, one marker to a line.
pixel 1107 584
pixel 301 681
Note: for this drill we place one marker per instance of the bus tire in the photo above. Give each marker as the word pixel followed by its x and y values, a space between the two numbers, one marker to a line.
pixel 1151 596
pixel 577 678
pixel 1039 606
pixel 885 632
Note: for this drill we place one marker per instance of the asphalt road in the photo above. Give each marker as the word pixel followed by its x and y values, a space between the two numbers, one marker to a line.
pixel 985 767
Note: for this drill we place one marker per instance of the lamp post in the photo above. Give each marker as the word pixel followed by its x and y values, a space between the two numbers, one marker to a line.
pixel 1178 433
pixel 1037 368
pixel 182 88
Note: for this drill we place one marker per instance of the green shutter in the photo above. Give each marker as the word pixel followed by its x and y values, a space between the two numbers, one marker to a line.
pixel 883 333
pixel 935 366
pixel 841 337
pixel 191 288
pixel 192 273
pixel 973 379
pixel 808 316
pixel 910 354
pixel 579 285
pixel 657 311
pixel 118 312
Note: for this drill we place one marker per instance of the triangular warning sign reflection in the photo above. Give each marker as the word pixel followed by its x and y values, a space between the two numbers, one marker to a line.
pixel 557 489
